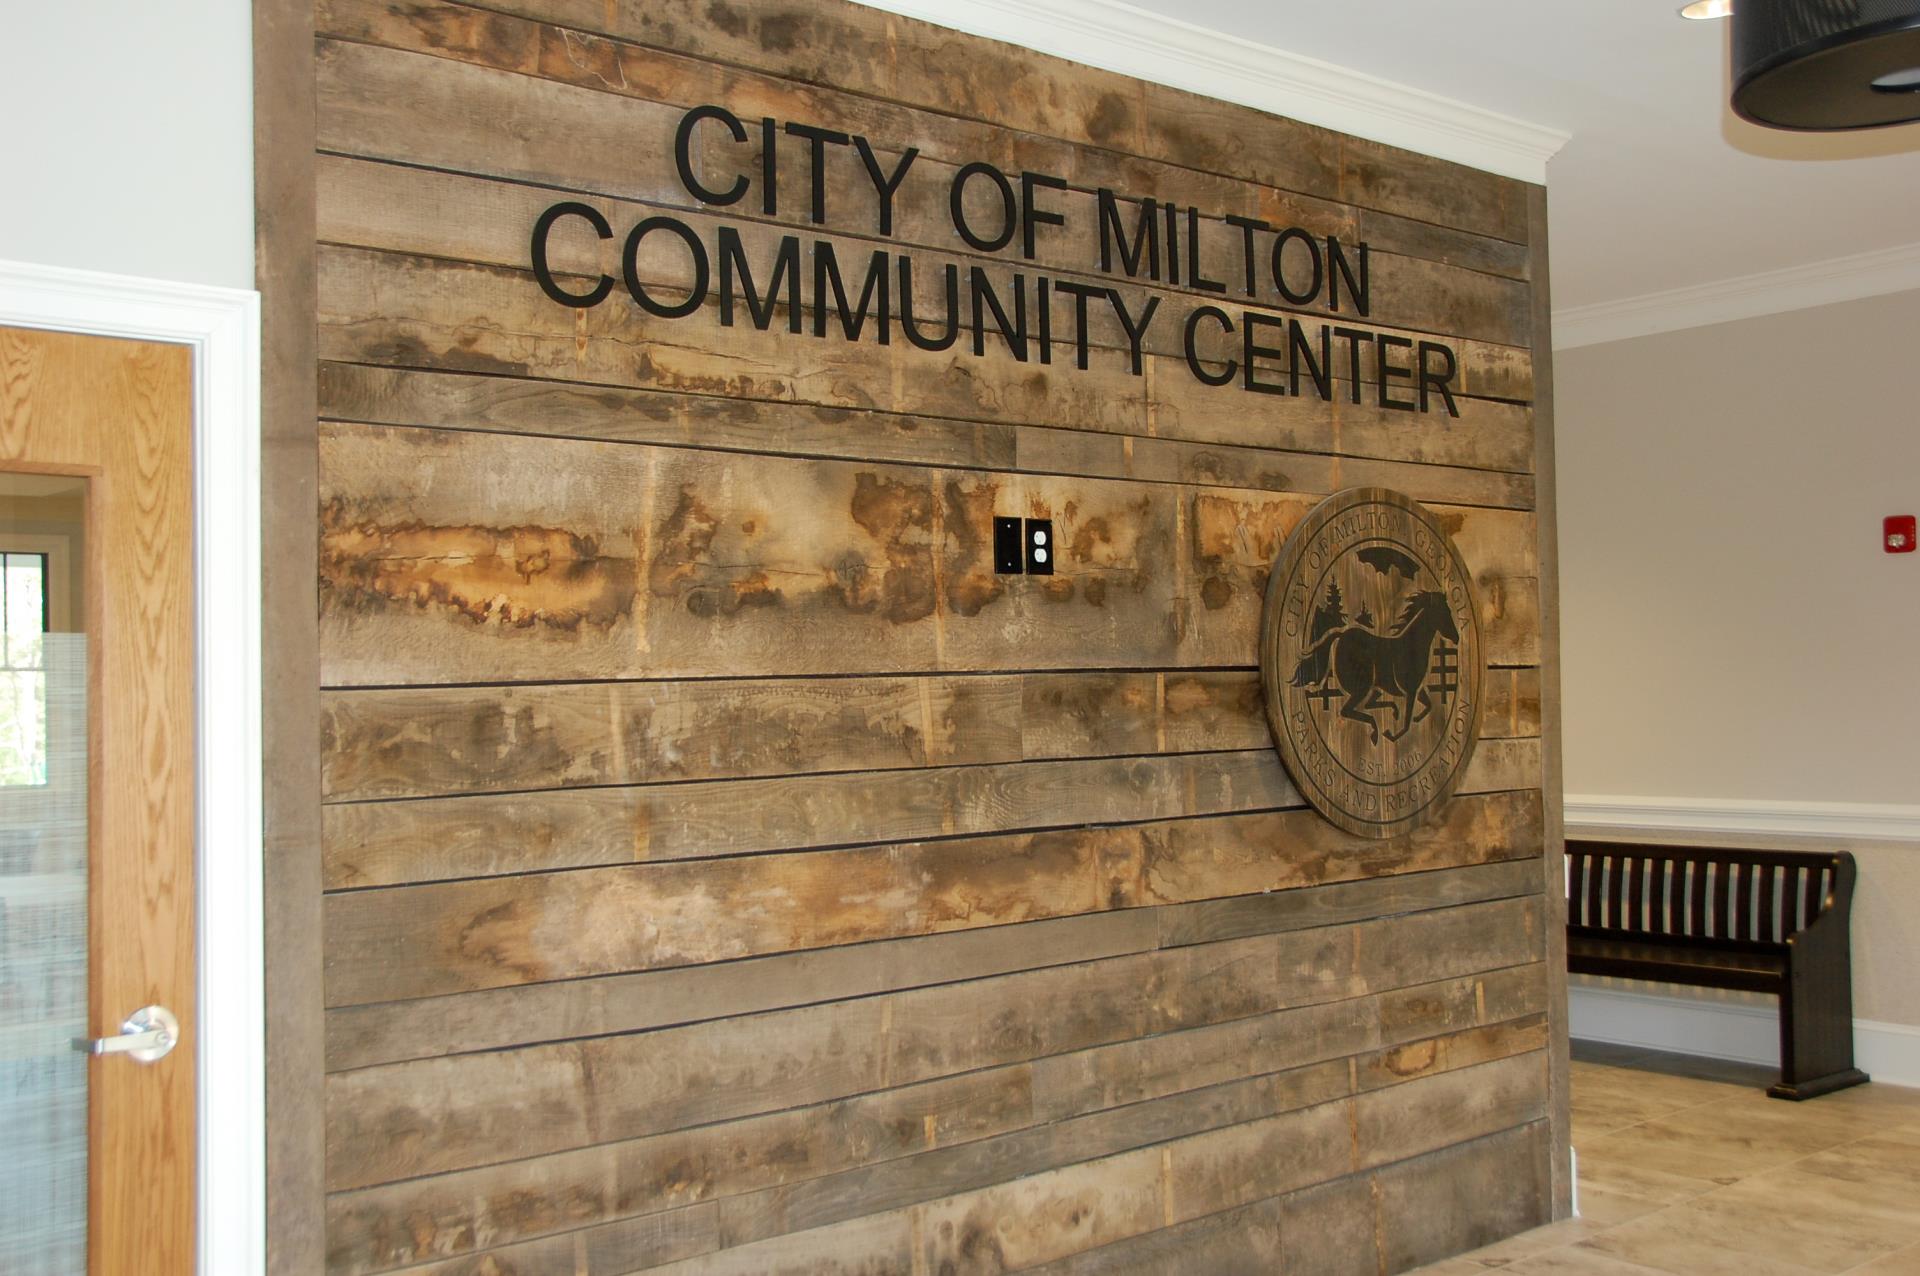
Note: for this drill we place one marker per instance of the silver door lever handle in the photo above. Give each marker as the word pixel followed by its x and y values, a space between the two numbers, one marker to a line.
pixel 147 1036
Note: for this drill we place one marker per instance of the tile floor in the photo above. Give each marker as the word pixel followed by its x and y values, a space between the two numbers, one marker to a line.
pixel 1688 1169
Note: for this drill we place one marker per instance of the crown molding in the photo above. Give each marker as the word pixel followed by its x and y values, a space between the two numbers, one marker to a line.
pixel 1770 292
pixel 1659 816
pixel 1119 37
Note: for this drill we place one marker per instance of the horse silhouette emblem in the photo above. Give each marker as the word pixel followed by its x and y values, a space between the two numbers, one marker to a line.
pixel 1371 661
pixel 1378 672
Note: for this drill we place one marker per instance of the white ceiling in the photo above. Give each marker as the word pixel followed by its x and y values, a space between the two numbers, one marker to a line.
pixel 1661 186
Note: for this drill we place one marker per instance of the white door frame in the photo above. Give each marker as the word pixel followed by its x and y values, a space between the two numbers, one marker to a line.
pixel 222 325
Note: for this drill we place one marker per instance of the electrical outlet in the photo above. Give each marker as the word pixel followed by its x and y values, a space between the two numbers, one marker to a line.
pixel 1040 548
pixel 1009 556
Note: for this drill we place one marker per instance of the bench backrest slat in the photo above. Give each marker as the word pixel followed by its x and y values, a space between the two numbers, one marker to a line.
pixel 1596 880
pixel 1696 898
pixel 1774 927
pixel 1723 900
pixel 1701 892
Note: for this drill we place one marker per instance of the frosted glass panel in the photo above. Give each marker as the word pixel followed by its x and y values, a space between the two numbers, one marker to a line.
pixel 43 958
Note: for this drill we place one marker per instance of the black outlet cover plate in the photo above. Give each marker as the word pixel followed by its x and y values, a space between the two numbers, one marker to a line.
pixel 1009 556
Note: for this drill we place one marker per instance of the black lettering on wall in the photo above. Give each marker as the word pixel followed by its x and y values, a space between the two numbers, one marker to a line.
pixel 1136 331
pixel 911 326
pixel 1031 215
pixel 683 154
pixel 885 185
pixel 786 267
pixel 1195 275
pixel 543 272
pixel 1146 237
pixel 696 251
pixel 1250 325
pixel 1300 355
pixel 873 296
pixel 1014 331
pixel 957 206
pixel 1080 293
pixel 1247 226
pixel 1441 380
pixel 1194 365
pixel 1353 337
pixel 1389 370
pixel 818 139
pixel 1359 285
pixel 1293 235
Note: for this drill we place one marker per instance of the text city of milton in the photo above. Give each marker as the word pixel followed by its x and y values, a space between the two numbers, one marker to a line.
pixel 1263 352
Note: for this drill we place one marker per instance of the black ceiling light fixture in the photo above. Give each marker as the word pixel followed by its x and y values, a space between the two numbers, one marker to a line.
pixel 1826 65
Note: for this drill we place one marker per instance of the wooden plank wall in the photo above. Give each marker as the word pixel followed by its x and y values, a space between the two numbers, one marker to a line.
pixel 724 870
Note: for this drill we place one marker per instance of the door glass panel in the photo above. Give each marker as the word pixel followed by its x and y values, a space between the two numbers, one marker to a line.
pixel 43 877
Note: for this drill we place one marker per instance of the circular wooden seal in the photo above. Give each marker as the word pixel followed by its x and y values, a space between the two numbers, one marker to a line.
pixel 1371 661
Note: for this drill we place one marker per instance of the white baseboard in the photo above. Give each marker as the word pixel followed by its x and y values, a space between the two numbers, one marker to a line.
pixel 1888 1052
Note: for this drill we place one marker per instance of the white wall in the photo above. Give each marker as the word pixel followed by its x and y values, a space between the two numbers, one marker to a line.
pixel 1732 630
pixel 129 137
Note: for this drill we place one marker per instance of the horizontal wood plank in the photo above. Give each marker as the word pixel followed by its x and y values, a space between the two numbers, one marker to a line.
pixel 421 941
pixel 397 843
pixel 434 570
pixel 433 1115
pixel 393 1032
pixel 897 1162
pixel 400 396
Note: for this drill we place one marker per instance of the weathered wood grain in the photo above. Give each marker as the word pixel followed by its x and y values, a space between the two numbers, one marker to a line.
pixel 399 396
pixel 1463 1197
pixel 921 64
pixel 406 743
pixel 882 1151
pixel 388 844
pixel 432 741
pixel 393 1032
pixel 728 871
pixel 1053 1215
pixel 436 570
pixel 419 941
pixel 432 1115
pixel 471 216
pixel 410 311
pixel 579 57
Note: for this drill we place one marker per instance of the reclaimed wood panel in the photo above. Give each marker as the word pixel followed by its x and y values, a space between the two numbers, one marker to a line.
pixel 401 396
pixel 432 1115
pixel 413 311
pixel 490 835
pixel 420 941
pixel 724 869
pixel 428 1027
pixel 434 570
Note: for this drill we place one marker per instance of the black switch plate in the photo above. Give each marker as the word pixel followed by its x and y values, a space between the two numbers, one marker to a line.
pixel 1008 556
pixel 1040 550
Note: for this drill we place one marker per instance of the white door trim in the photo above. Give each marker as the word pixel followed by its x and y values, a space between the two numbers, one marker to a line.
pixel 222 325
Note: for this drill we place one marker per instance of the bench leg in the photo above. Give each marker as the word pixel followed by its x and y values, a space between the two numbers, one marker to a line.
pixel 1816 1031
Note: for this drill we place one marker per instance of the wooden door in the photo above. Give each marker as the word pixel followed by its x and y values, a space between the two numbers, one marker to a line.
pixel 116 417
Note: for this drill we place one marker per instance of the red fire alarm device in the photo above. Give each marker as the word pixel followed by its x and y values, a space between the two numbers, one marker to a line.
pixel 1897 535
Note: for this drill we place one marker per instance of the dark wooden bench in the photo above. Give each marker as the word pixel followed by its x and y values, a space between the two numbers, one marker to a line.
pixel 1760 921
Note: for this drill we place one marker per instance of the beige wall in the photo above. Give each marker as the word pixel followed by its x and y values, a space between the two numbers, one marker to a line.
pixel 1733 631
